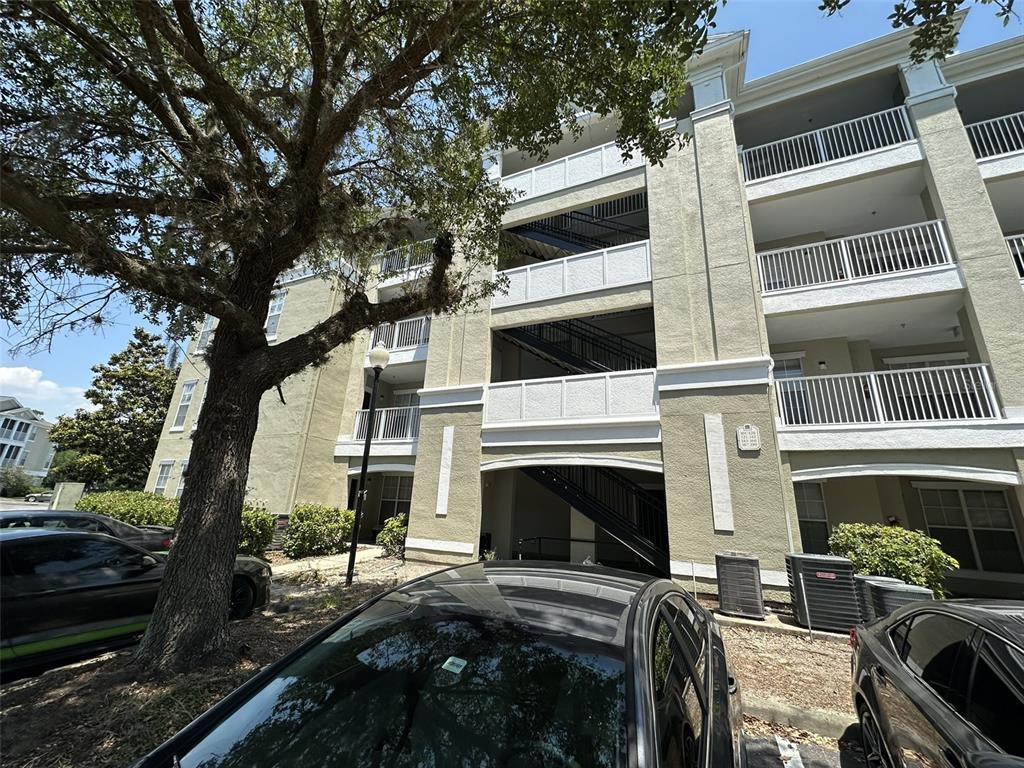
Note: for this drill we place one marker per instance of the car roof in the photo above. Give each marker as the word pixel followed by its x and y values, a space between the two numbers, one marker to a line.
pixel 13 534
pixel 582 600
pixel 1001 616
pixel 42 512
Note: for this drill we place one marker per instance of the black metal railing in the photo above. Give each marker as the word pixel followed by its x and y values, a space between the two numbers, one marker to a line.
pixel 614 554
pixel 629 513
pixel 585 347
pixel 585 229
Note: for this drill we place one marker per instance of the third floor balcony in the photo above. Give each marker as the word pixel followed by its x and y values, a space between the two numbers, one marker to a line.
pixel 389 424
pixel 406 340
pixel 998 136
pixel 572 170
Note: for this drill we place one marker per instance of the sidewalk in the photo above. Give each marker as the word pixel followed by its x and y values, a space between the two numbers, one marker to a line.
pixel 328 563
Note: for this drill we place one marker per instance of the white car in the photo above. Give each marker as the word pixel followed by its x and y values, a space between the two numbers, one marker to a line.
pixel 43 496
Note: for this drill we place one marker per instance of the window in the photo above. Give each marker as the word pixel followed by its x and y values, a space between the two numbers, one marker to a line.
pixel 937 650
pixel 997 695
pixel 209 323
pixel 7 457
pixel 975 525
pixel 202 402
pixel 678 705
pixel 925 361
pixel 812 517
pixel 404 399
pixel 70 561
pixel 162 476
pixel 395 496
pixel 793 393
pixel 274 314
pixel 72 524
pixel 32 433
pixel 186 398
pixel 181 480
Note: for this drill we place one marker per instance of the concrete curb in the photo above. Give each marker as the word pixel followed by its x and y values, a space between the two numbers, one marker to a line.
pixel 773 625
pixel 830 724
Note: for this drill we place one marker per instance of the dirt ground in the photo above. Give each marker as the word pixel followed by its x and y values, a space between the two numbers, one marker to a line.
pixel 790 668
pixel 98 713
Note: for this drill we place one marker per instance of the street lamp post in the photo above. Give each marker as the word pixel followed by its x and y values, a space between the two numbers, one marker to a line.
pixel 379 357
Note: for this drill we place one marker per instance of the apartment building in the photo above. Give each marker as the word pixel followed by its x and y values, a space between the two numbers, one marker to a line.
pixel 811 313
pixel 24 438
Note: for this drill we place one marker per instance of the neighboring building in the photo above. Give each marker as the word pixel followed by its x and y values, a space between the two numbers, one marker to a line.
pixel 811 313
pixel 24 438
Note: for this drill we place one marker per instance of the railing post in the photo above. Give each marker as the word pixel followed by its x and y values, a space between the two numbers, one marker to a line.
pixel 876 397
pixel 844 255
pixel 821 146
pixel 905 119
pixel 947 251
pixel 990 394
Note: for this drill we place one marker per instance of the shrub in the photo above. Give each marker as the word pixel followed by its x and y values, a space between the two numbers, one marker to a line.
pixel 316 529
pixel 133 507
pixel 37 489
pixel 392 536
pixel 14 481
pixel 882 550
pixel 257 530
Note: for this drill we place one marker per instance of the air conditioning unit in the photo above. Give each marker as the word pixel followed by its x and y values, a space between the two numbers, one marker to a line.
pixel 865 599
pixel 823 590
pixel 739 585
pixel 888 597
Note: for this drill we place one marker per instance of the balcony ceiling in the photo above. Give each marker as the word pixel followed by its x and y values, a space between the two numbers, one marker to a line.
pixel 908 322
pixel 855 207
pixel 1007 195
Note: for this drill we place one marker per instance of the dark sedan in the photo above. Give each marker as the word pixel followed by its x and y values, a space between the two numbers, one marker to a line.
pixel 155 538
pixel 942 684
pixel 511 664
pixel 65 594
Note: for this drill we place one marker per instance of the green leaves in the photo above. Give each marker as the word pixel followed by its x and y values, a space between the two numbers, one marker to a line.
pixel 392 536
pixel 893 551
pixel 132 507
pixel 316 529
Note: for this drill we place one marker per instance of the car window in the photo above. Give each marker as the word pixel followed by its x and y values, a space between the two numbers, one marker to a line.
pixel 898 635
pixel 679 711
pixel 997 695
pixel 692 630
pixel 444 689
pixel 15 522
pixel 937 649
pixel 70 524
pixel 65 562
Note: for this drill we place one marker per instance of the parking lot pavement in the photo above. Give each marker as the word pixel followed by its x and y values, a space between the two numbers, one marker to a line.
pixel 767 753
pixel 22 504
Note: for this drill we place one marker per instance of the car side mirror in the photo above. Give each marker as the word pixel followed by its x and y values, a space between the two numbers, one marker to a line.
pixel 148 561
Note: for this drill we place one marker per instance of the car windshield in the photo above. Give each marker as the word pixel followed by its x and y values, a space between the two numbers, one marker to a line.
pixel 405 685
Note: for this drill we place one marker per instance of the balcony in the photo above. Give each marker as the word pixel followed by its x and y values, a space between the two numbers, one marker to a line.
pixel 582 273
pixel 406 340
pixel 570 171
pixel 399 265
pixel 1015 245
pixel 824 145
pixel 900 397
pixel 401 423
pixel 845 265
pixel 998 136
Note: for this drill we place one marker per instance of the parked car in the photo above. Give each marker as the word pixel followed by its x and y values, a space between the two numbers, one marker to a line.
pixel 510 664
pixel 155 538
pixel 942 684
pixel 64 594
pixel 41 496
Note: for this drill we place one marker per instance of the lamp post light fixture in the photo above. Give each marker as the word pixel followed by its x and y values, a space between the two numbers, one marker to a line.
pixel 379 357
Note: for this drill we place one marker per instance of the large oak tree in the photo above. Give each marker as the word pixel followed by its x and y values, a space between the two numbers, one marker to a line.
pixel 186 154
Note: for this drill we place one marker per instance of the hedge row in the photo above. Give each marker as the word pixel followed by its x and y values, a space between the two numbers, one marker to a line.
pixel 317 529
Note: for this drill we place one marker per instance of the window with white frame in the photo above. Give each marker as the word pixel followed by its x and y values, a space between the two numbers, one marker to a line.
pixel 975 525
pixel 925 361
pixel 812 517
pixel 404 398
pixel 274 314
pixel 8 456
pixel 32 433
pixel 186 398
pixel 202 402
pixel 181 480
pixel 163 474
pixel 395 496
pixel 209 323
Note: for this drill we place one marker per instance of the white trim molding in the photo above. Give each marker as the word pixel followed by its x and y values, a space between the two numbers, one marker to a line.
pixel 938 471
pixel 347 446
pixel 440 545
pixel 687 569
pixel 574 459
pixel 610 431
pixel 385 469
pixel 718 472
pixel 444 474
pixel 1001 433
pixel 737 372
pixel 451 397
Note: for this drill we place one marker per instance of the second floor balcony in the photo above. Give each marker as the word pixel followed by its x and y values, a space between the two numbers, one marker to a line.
pixel 953 393
pixel 823 145
pixel 578 168
pixel 405 262
pixel 404 334
pixel 846 259
pixel 998 136
pixel 389 424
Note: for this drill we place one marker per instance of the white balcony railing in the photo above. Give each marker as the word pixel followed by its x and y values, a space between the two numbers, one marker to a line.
pixel 406 257
pixel 1015 245
pixel 403 334
pixel 853 137
pixel 941 393
pixel 401 423
pixel 851 258
pixel 998 136
pixel 594 396
pixel 578 168
pixel 580 273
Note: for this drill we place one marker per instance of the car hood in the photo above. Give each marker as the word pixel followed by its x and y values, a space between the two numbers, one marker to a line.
pixel 251 565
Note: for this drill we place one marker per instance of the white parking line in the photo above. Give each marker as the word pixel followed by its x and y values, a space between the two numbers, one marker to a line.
pixel 788 753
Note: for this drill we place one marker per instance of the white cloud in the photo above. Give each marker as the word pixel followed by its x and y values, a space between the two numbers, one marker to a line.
pixel 34 391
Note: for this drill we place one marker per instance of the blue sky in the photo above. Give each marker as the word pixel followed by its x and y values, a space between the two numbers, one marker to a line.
pixel 782 33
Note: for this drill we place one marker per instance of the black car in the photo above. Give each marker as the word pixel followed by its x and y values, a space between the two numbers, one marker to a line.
pixel 155 538
pixel 64 594
pixel 513 664
pixel 942 684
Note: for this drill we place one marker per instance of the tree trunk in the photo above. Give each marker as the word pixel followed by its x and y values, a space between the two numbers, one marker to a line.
pixel 189 621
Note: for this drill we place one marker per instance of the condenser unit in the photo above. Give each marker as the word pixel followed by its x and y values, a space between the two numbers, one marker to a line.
pixel 865 599
pixel 823 590
pixel 739 585
pixel 886 598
